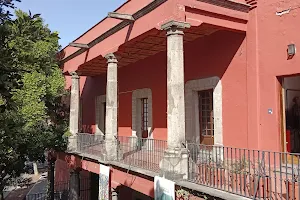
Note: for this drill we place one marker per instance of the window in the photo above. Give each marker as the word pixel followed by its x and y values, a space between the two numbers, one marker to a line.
pixel 144 117
pixel 206 113
pixel 142 113
pixel 100 112
pixel 198 92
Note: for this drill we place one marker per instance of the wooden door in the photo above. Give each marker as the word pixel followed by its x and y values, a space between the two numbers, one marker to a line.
pixel 206 117
pixel 285 134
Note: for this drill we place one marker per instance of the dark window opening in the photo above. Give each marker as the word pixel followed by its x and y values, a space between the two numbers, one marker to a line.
pixel 144 117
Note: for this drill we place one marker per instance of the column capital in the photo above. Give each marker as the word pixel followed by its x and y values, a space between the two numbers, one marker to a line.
pixel 74 75
pixel 111 58
pixel 175 27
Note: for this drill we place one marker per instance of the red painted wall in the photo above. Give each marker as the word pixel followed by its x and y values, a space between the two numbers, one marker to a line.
pixel 221 54
pixel 148 73
pixel 270 35
pixel 274 34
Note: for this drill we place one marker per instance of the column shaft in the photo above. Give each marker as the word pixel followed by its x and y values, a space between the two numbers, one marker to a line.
pixel 74 110
pixel 111 125
pixel 175 161
pixel 175 89
pixel 74 105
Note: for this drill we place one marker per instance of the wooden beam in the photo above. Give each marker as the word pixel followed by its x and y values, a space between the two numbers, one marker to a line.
pixel 79 45
pixel 120 16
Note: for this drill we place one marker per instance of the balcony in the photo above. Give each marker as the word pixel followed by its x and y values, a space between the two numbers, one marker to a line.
pixel 244 172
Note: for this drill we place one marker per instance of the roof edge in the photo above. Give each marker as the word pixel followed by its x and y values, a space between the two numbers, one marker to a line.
pixel 98 23
pixel 140 13
pixel 230 4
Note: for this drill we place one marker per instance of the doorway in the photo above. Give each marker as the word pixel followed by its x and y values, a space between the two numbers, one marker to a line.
pixel 206 117
pixel 290 99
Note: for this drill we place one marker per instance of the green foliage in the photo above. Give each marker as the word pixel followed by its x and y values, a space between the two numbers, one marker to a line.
pixel 40 99
pixel 31 98
pixel 9 73
pixel 4 13
pixel 33 116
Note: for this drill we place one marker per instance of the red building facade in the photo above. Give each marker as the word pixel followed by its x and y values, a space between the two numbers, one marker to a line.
pixel 209 72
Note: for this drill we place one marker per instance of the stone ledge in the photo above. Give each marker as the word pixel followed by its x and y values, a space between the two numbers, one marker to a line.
pixel 88 156
pixel 134 169
pixel 210 191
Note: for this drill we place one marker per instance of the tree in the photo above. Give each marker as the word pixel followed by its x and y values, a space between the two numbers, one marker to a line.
pixel 9 121
pixel 33 117
pixel 40 99
pixel 9 76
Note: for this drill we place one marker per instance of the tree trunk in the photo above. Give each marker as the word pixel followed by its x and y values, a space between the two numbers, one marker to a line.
pixel 50 184
pixel 35 168
pixel 1 193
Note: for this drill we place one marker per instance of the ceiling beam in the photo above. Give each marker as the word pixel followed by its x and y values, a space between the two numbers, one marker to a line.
pixel 120 16
pixel 79 45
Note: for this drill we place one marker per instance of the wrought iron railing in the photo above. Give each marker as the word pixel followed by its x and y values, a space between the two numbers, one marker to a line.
pixel 250 173
pixel 140 152
pixel 90 144
pixel 254 174
pixel 39 196
pixel 62 189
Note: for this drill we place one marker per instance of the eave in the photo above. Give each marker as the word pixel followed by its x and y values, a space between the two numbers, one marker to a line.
pixel 212 14
pixel 117 28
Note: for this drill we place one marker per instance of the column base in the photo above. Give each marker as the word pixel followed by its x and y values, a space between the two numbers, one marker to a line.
pixel 111 146
pixel 206 154
pixel 137 143
pixel 73 145
pixel 175 164
pixel 134 143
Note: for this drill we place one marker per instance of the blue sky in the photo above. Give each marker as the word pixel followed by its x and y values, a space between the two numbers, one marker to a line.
pixel 70 18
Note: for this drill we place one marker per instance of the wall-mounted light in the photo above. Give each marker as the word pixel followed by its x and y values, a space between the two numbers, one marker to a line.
pixel 291 50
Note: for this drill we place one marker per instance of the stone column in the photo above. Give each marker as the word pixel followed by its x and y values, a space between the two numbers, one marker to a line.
pixel 74 185
pixel 111 118
pixel 175 161
pixel 74 110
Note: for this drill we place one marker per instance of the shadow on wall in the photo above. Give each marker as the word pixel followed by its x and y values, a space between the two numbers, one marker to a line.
pixel 223 54
pixel 209 56
pixel 212 55
pixel 125 192
pixel 92 87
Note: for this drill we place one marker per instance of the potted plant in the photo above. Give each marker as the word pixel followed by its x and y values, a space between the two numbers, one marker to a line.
pixel 292 186
pixel 238 173
pixel 259 180
pixel 215 174
pixel 182 194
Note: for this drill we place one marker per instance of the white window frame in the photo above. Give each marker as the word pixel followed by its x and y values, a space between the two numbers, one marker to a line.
pixel 137 95
pixel 192 88
pixel 100 117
